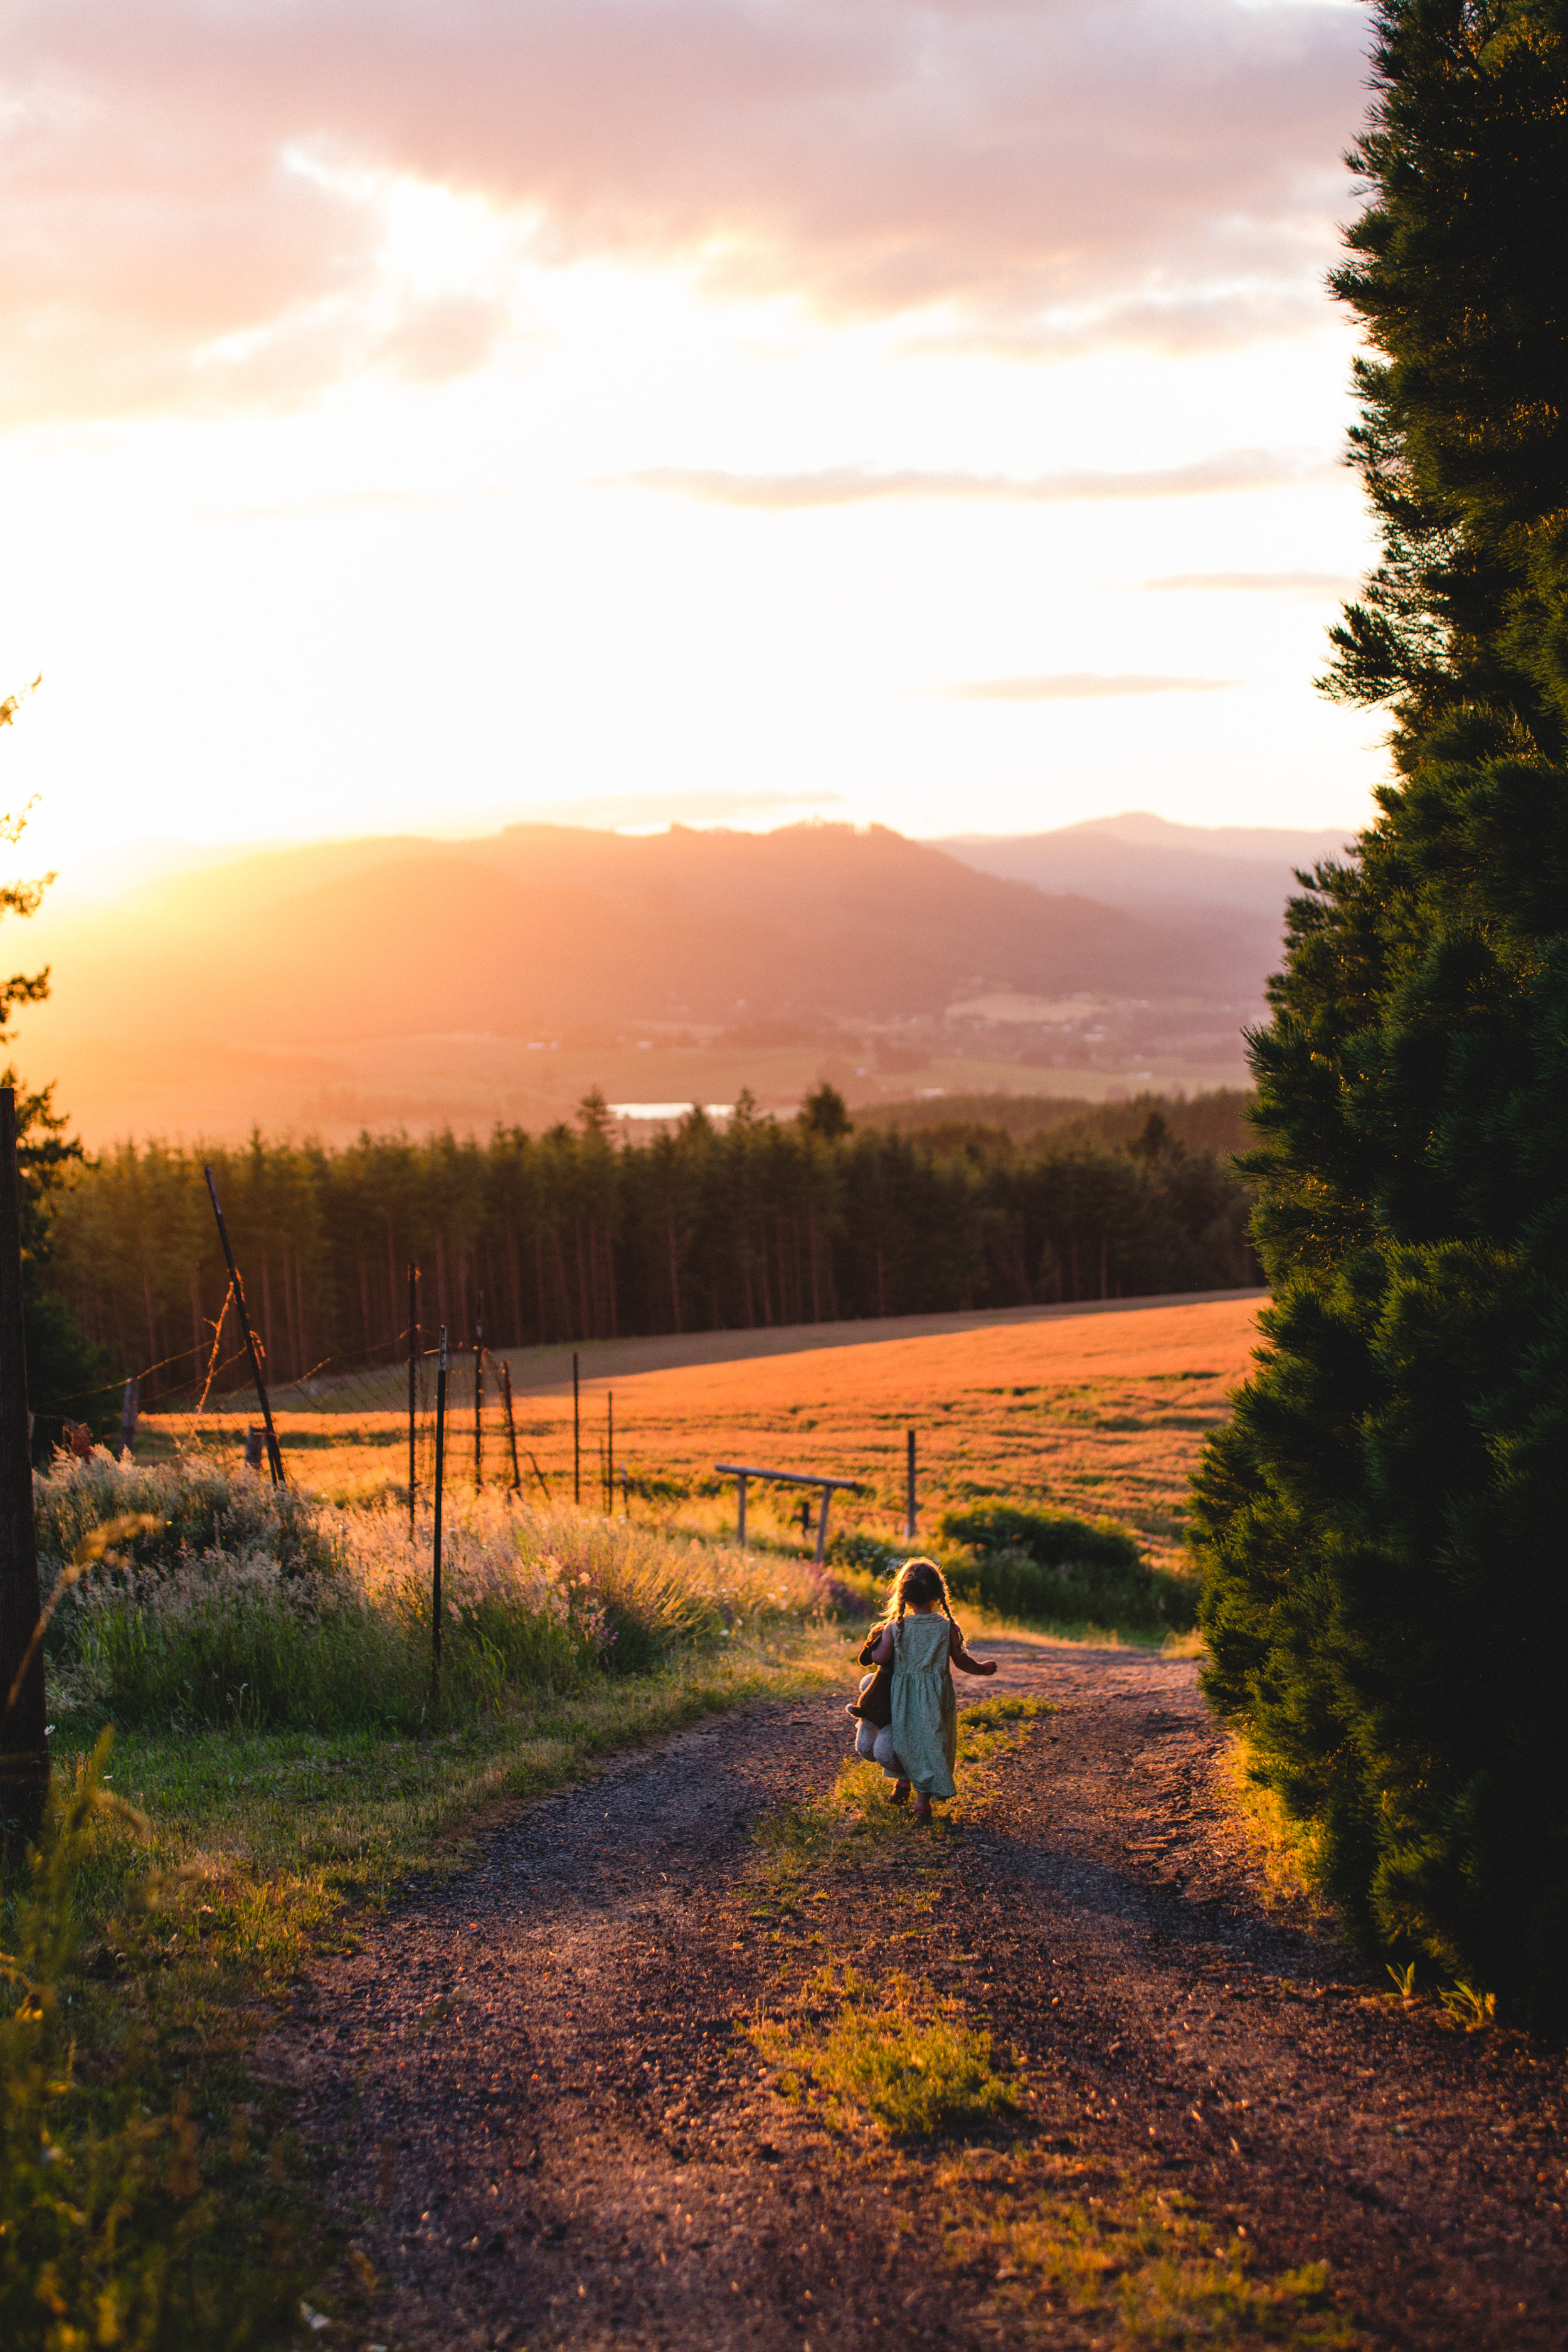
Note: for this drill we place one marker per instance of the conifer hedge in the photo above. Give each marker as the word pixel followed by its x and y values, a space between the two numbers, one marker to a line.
pixel 1383 1527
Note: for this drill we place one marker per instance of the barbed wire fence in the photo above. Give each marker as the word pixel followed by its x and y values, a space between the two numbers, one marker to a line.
pixel 216 1402
pixel 382 1407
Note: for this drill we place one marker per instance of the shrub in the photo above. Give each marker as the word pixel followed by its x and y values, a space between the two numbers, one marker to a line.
pixel 201 1506
pixel 1051 1569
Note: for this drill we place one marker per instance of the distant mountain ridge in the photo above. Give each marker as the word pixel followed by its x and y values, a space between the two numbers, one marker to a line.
pixel 541 926
pixel 1145 864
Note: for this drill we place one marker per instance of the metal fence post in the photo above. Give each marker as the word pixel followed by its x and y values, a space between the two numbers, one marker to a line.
pixel 436 1545
pixel 413 1388
pixel 910 1514
pixel 510 1425
pixel 479 1393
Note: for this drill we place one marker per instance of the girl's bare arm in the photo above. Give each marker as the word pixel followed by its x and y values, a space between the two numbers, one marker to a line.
pixel 961 1658
pixel 882 1655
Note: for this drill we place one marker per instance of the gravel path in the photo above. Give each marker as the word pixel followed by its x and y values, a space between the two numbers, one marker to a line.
pixel 538 2125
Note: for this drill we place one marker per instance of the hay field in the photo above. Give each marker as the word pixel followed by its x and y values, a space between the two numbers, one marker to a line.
pixel 1093 1413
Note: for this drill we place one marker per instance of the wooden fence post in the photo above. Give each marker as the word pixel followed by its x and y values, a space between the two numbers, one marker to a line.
pixel 24 1747
pixel 576 1436
pixel 129 1415
pixel 821 1552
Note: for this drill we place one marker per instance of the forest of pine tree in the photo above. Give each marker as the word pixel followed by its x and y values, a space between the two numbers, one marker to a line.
pixel 574 1235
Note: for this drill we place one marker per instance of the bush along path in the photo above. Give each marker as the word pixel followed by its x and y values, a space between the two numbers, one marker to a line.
pixel 718 2049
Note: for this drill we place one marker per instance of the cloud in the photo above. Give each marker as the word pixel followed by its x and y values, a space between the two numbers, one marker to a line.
pixel 197 198
pixel 843 485
pixel 1326 584
pixel 1074 685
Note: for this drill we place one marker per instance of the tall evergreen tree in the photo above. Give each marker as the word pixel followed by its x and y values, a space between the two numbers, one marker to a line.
pixel 65 1371
pixel 1385 1524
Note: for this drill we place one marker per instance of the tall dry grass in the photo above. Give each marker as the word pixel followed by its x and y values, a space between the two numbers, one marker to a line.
pixel 243 1604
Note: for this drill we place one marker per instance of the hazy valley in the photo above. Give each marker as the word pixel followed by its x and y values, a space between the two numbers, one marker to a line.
pixel 406 981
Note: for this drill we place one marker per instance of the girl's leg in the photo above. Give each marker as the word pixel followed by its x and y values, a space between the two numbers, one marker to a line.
pixel 922 1809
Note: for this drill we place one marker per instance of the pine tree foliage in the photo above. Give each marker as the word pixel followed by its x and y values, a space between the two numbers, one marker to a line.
pixel 1385 1524
pixel 61 1359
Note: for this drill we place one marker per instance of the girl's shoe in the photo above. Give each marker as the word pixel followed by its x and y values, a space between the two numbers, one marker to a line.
pixel 922 1809
pixel 899 1794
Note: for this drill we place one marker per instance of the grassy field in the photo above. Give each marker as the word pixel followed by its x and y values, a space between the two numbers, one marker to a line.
pixel 1097 1413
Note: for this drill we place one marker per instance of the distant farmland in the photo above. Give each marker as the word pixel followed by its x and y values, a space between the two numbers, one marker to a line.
pixel 1093 1412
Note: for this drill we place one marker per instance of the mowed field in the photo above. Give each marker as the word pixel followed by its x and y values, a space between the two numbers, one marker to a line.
pixel 1092 1413
pixel 1095 1413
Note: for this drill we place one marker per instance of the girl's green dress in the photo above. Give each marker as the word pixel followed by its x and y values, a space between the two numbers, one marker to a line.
pixel 925 1712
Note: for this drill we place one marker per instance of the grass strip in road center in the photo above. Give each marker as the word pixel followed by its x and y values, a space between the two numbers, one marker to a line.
pixel 902 2082
pixel 854 1825
pixel 896 2054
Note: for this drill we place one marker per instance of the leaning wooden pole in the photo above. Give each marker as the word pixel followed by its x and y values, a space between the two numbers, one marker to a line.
pixel 274 1452
pixel 24 1747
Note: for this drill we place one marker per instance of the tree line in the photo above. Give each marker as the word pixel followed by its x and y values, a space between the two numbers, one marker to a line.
pixel 572 1234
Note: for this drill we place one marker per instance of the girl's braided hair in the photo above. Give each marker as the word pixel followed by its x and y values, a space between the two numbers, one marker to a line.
pixel 921 1580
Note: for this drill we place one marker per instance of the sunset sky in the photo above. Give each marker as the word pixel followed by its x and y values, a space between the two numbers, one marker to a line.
pixel 420 416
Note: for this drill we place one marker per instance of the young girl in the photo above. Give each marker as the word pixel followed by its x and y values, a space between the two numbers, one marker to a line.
pixel 921 1742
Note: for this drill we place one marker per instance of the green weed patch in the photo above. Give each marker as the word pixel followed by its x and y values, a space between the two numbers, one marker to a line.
pixel 901 2057
pixel 1145 2262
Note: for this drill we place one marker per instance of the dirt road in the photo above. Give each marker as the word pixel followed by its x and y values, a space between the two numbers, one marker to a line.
pixel 540 2121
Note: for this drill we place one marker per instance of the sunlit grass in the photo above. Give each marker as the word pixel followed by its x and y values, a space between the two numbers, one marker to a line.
pixel 267 1844
pixel 1144 2262
pixel 896 2054
pixel 1279 1850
